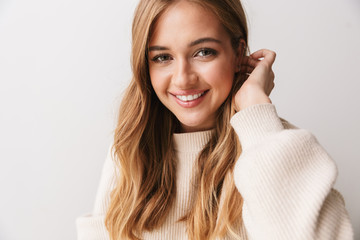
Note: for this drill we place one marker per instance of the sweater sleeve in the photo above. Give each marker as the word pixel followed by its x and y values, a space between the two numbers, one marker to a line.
pixel 91 226
pixel 286 179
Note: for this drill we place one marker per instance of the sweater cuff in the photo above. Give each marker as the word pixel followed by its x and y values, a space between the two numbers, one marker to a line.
pixel 91 227
pixel 255 123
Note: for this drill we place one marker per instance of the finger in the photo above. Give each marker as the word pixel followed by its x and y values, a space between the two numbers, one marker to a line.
pixel 268 55
pixel 249 61
pixel 262 53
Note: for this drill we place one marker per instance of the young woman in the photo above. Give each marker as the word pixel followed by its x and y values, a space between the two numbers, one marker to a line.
pixel 199 151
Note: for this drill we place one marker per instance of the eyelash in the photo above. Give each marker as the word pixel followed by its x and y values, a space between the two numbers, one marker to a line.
pixel 211 52
pixel 156 58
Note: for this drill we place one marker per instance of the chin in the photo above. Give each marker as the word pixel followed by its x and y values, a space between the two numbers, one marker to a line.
pixel 194 126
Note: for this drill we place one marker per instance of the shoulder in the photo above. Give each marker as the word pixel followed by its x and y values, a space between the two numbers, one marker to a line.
pixel 287 124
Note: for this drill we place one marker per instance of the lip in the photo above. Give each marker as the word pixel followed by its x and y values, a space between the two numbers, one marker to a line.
pixel 188 92
pixel 192 103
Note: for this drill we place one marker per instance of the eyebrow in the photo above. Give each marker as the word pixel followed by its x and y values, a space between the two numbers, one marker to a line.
pixel 203 40
pixel 196 42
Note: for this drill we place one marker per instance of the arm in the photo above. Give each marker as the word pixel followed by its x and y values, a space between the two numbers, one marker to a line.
pixel 91 226
pixel 286 179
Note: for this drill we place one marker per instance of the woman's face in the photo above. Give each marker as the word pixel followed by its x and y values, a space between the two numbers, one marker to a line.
pixel 192 64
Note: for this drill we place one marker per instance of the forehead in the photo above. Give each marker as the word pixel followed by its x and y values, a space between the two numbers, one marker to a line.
pixel 184 21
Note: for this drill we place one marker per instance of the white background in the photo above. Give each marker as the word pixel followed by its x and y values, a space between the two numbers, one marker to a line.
pixel 64 65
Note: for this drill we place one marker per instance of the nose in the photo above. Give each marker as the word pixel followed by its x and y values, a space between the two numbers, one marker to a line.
pixel 184 76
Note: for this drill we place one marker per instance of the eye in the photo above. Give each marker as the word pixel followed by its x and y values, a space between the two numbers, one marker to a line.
pixel 206 52
pixel 161 58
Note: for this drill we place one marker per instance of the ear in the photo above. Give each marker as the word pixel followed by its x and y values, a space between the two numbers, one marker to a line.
pixel 239 53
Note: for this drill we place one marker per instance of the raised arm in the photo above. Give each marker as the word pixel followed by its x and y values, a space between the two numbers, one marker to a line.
pixel 286 179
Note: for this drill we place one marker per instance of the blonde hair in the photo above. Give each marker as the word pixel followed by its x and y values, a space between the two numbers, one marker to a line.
pixel 146 185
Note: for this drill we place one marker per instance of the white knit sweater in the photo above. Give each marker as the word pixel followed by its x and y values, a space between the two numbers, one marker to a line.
pixel 285 177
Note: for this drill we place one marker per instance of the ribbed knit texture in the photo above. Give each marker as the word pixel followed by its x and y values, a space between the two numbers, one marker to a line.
pixel 285 177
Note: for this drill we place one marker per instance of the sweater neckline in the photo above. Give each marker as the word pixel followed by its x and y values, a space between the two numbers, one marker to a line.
pixel 191 142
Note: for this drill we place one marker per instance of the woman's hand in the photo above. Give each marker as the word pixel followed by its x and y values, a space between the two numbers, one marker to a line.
pixel 257 88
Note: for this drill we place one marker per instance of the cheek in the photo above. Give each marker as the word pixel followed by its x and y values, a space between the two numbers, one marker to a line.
pixel 160 84
pixel 224 87
pixel 156 81
pixel 220 76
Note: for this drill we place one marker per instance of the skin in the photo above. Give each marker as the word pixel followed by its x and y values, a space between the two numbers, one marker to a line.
pixel 190 53
pixel 257 88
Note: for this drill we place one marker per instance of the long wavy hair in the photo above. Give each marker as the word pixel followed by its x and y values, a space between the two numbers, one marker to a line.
pixel 146 183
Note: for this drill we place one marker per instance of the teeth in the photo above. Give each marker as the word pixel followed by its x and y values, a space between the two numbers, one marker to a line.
pixel 189 97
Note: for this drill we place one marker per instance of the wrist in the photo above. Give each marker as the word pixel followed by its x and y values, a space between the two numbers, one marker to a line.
pixel 250 99
pixel 254 101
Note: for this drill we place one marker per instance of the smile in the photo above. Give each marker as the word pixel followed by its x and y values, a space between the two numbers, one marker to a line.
pixel 187 98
